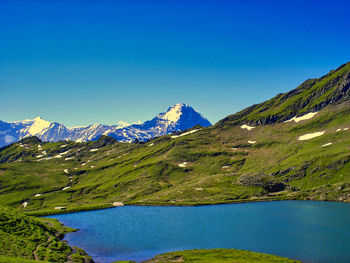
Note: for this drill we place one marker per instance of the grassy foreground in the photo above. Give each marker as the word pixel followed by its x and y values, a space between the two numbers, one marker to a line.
pixel 25 239
pixel 218 255
pixel 5 259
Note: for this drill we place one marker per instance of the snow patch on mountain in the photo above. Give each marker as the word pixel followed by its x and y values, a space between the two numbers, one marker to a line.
pixel 174 113
pixel 304 117
pixel 38 126
pixel 247 127
pixel 310 136
pixel 183 134
pixel 123 123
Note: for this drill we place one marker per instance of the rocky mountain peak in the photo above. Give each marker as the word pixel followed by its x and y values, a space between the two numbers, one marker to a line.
pixel 177 118
pixel 173 114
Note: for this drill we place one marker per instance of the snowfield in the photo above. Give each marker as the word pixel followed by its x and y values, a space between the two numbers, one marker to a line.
pixel 183 134
pixel 310 136
pixel 247 127
pixel 303 118
pixel 184 164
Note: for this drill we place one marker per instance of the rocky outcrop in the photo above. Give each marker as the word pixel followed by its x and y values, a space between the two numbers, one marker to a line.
pixel 267 182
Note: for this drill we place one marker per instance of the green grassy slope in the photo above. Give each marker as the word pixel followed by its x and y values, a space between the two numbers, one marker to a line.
pixel 310 96
pixel 212 165
pixel 218 255
pixel 5 259
pixel 25 239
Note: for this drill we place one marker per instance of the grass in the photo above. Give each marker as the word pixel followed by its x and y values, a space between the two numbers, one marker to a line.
pixel 310 96
pixel 68 210
pixel 218 255
pixel 25 239
pixel 5 259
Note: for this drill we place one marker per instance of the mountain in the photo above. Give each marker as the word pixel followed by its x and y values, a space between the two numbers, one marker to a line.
pixel 178 118
pixel 293 146
pixel 311 96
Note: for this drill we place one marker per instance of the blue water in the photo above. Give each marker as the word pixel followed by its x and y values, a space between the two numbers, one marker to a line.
pixel 305 230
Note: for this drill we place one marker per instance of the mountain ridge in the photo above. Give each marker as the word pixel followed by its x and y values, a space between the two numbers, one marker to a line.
pixel 310 96
pixel 178 117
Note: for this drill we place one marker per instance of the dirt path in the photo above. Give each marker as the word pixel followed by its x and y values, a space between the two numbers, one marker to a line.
pixel 49 239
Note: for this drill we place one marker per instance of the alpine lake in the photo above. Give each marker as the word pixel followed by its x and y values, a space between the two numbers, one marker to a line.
pixel 310 231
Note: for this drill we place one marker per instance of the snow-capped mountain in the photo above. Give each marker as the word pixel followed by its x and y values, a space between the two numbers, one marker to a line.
pixel 177 118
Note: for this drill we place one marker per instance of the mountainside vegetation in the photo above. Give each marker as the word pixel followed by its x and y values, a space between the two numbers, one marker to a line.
pixel 218 255
pixel 311 96
pixel 25 239
pixel 305 158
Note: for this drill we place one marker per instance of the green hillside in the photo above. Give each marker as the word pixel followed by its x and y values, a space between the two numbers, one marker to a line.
pixel 25 239
pixel 224 163
pixel 312 95
pixel 218 255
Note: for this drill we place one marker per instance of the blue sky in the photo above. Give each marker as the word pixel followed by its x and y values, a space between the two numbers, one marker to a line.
pixel 83 62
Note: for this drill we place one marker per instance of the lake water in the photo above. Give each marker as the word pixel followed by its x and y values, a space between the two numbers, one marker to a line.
pixel 306 230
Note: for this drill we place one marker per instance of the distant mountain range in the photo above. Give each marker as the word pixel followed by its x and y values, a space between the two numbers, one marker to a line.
pixel 177 118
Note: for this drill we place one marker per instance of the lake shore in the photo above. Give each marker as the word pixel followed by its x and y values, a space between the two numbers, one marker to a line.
pixel 46 212
pixel 218 255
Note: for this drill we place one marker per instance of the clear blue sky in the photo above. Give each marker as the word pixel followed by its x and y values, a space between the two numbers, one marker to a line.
pixel 83 62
